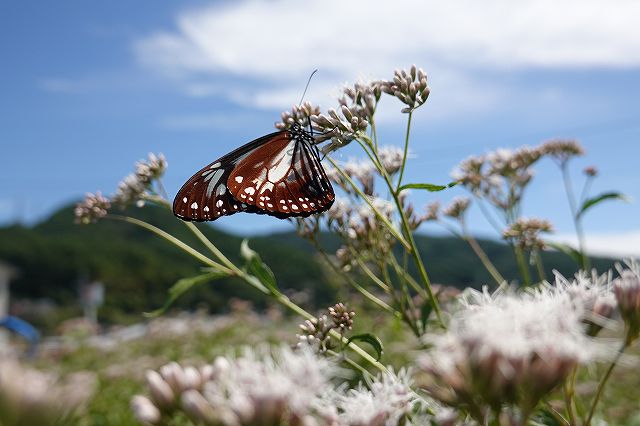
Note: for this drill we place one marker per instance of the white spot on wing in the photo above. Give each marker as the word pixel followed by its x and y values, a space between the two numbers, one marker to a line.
pixel 219 203
pixel 194 205
pixel 184 200
pixel 239 179
pixel 206 208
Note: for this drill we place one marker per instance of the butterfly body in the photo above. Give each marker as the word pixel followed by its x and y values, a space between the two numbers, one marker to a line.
pixel 279 174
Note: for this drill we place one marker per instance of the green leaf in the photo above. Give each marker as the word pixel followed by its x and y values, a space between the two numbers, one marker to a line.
pixel 256 267
pixel 576 255
pixel 182 286
pixel 369 338
pixel 428 186
pixel 425 312
pixel 590 202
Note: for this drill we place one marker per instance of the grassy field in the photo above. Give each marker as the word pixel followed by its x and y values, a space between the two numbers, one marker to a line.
pixel 120 358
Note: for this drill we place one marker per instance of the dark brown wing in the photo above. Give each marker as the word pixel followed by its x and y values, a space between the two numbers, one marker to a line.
pixel 283 178
pixel 205 196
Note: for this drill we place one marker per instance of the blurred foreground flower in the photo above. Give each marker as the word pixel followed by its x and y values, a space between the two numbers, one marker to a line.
pixel 275 387
pixel 30 397
pixel 627 291
pixel 387 401
pixel 508 349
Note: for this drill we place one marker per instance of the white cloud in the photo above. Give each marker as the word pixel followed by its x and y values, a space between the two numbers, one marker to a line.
pixel 619 245
pixel 279 42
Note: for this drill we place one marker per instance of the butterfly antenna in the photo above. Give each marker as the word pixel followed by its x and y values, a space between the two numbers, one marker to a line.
pixel 307 86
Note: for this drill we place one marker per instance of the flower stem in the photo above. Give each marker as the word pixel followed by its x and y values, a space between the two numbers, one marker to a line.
pixel 362 195
pixel 482 255
pixel 577 222
pixel 522 264
pixel 173 240
pixel 406 150
pixel 604 379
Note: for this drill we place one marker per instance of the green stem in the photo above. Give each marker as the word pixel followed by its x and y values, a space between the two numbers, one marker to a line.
pixel 411 247
pixel 406 150
pixel 557 416
pixel 384 286
pixel 421 269
pixel 380 215
pixel 282 299
pixel 366 293
pixel 569 394
pixel 604 379
pixel 522 264
pixel 173 240
pixel 209 245
pixel 482 255
pixel 403 270
pixel 568 187
pixel 542 276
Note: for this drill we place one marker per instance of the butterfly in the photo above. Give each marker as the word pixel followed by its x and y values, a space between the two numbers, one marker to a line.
pixel 279 174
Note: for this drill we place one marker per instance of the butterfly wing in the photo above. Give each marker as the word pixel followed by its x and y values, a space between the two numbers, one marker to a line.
pixel 283 178
pixel 205 196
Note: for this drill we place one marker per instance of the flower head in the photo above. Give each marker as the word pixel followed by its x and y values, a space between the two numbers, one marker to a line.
pixel 136 184
pixel 391 158
pixel 627 291
pixel 342 127
pixel 410 87
pixel 299 114
pixel 92 208
pixel 362 98
pixel 342 317
pixel 590 292
pixel 457 208
pixel 562 149
pixel 508 348
pixel 526 233
pixel 278 386
pixel 433 211
pixel 387 401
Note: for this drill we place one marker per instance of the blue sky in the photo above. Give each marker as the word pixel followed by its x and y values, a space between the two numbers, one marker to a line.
pixel 88 88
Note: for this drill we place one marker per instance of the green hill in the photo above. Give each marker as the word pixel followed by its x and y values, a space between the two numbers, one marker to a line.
pixel 138 267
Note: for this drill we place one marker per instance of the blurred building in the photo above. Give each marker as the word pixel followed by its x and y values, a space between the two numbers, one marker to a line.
pixel 6 273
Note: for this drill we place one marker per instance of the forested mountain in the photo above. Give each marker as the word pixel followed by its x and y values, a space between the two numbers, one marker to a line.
pixel 137 267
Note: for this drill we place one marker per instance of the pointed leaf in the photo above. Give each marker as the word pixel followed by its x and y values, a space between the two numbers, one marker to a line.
pixel 576 255
pixel 182 286
pixel 590 202
pixel 428 186
pixel 372 340
pixel 256 267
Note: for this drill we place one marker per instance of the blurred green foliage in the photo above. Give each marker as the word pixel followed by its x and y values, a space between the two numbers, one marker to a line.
pixel 137 267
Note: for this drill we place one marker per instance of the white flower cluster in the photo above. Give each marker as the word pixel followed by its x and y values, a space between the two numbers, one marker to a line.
pixel 513 348
pixel 388 401
pixel 271 388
